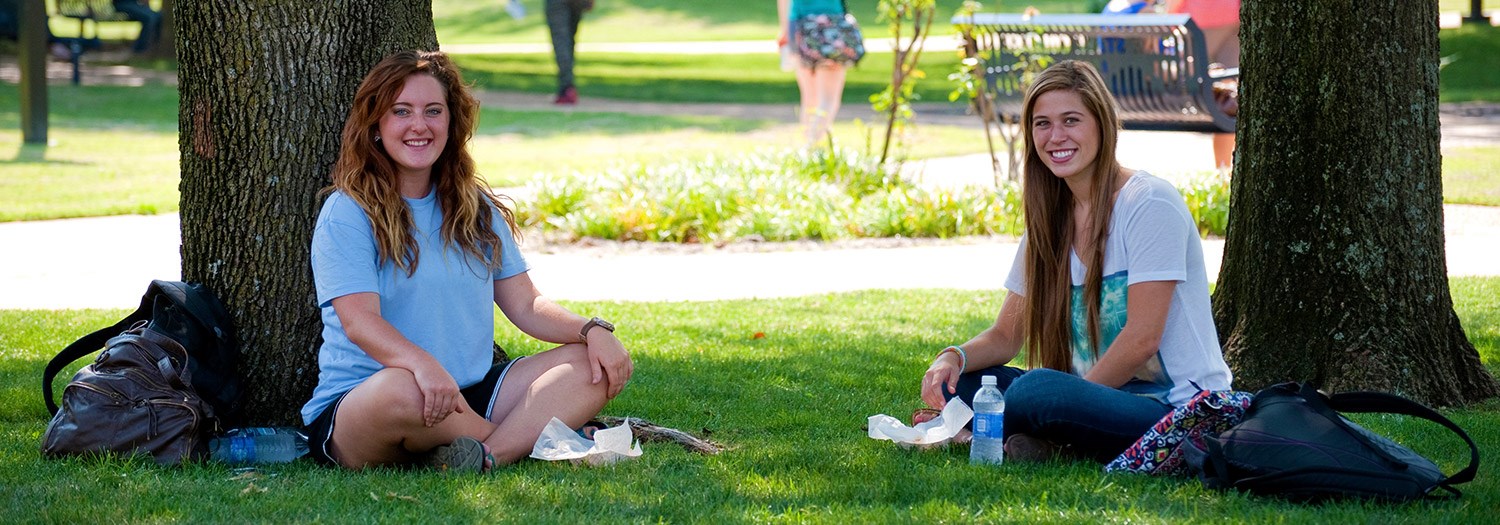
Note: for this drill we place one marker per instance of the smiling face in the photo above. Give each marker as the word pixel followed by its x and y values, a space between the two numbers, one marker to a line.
pixel 1065 133
pixel 415 129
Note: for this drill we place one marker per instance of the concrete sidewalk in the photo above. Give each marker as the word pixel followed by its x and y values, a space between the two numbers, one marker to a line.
pixel 70 263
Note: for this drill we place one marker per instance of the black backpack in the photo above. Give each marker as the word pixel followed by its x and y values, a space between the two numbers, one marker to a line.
pixel 1294 444
pixel 190 315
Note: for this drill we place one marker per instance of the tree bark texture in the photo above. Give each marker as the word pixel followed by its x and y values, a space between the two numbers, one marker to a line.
pixel 265 88
pixel 1334 268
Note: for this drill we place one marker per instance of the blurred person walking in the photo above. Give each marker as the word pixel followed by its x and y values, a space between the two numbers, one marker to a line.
pixel 563 17
pixel 819 79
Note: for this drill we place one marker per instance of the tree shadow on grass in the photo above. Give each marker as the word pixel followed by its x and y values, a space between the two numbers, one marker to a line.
pixel 37 154
pixel 786 383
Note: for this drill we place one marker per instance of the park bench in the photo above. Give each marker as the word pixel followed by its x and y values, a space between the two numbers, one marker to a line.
pixel 1156 66
pixel 86 11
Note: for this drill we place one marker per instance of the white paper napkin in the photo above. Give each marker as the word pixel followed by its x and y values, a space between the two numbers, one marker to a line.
pixel 938 430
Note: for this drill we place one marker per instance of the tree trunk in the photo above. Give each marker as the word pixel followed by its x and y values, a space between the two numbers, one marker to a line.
pixel 1334 270
pixel 265 88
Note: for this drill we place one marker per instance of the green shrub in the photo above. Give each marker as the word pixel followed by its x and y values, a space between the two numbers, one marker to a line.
pixel 779 196
pixel 1207 199
pixel 922 212
pixel 859 175
pixel 773 196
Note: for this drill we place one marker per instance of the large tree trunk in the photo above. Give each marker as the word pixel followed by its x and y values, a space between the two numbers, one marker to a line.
pixel 265 88
pixel 1334 269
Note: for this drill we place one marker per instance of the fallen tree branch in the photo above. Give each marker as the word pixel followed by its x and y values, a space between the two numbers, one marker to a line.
pixel 647 431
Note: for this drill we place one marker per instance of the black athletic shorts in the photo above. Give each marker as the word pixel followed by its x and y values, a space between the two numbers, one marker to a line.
pixel 480 397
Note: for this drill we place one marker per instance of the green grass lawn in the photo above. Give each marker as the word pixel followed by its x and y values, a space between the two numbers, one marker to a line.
pixel 749 78
pixel 1472 175
pixel 95 128
pixel 1472 69
pixel 463 22
pixel 470 22
pixel 791 406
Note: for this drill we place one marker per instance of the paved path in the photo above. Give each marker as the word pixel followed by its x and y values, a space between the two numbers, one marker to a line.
pixel 68 263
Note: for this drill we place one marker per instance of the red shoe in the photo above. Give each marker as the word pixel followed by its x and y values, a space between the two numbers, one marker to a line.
pixel 568 97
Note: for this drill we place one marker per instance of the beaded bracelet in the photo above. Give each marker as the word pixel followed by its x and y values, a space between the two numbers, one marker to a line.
pixel 963 358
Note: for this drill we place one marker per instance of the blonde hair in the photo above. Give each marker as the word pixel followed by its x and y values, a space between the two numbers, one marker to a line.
pixel 367 174
pixel 1047 201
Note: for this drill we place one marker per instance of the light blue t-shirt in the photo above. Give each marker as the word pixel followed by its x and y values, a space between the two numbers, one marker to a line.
pixel 447 307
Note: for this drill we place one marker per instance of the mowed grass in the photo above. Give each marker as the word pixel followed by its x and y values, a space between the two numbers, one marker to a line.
pixel 464 22
pixel 791 406
pixel 1472 175
pixel 470 22
pixel 1471 70
pixel 733 78
pixel 114 149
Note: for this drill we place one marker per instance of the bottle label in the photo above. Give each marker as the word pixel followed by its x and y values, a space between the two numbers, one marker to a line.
pixel 241 449
pixel 989 425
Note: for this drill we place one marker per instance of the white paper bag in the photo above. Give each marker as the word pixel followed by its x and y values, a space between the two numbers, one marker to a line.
pixel 558 442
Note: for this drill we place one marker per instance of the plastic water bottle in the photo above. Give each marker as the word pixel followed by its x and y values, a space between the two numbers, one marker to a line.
pixel 988 446
pixel 259 445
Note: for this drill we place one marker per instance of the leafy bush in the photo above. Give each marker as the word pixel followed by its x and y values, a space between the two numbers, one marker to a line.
pixel 1207 199
pixel 776 197
pixel 922 212
pixel 815 195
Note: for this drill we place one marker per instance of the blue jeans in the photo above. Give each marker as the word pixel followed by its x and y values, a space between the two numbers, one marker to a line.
pixel 562 22
pixel 150 22
pixel 1099 422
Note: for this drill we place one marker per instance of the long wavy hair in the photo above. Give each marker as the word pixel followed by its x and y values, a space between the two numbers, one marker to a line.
pixel 1047 321
pixel 367 174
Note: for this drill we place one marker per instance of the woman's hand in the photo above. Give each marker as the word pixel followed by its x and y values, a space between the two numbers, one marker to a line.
pixel 609 360
pixel 440 393
pixel 942 374
pixel 781 39
pixel 360 315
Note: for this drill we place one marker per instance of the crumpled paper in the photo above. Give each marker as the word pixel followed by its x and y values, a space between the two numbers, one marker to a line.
pixel 558 443
pixel 928 433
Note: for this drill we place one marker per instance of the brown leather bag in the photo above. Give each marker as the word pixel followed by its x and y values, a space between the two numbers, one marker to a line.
pixel 137 396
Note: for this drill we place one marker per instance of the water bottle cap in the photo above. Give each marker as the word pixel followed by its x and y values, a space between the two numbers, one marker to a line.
pixel 988 380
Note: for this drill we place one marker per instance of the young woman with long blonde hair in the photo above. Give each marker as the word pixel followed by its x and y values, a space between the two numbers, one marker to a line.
pixel 1108 295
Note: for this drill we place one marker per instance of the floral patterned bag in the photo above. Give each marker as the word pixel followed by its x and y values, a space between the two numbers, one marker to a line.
pixel 828 37
pixel 1160 451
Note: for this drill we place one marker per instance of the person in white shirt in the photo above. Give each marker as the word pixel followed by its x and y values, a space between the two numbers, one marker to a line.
pixel 1108 295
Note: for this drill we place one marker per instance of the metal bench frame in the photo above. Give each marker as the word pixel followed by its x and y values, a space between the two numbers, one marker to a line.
pixel 1156 66
pixel 86 11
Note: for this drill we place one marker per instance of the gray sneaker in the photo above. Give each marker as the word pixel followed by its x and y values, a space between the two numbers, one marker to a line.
pixel 464 454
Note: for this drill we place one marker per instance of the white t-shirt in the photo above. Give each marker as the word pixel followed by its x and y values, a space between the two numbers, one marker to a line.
pixel 1152 237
